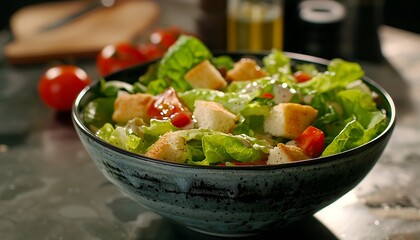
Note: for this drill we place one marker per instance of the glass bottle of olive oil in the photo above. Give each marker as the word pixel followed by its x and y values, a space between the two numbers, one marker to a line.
pixel 254 25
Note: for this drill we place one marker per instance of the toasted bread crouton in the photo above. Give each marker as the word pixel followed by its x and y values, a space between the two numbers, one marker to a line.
pixel 129 106
pixel 213 116
pixel 285 153
pixel 289 119
pixel 245 69
pixel 205 75
pixel 170 147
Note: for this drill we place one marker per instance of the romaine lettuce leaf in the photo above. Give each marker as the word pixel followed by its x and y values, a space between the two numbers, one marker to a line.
pixel 111 88
pixel 186 52
pixel 366 121
pixel 221 148
pixel 232 101
pixel 252 119
pixel 307 68
pixel 264 84
pixel 127 139
pixel 340 73
pixel 353 135
pixel 277 62
pixel 120 138
pixel 224 61
pixel 217 147
pixel 360 104
pixel 98 112
pixel 224 148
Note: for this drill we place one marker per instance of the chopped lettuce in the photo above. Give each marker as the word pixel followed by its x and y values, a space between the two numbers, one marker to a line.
pixel 234 102
pixel 180 58
pixel 277 62
pixel 149 82
pixel 366 122
pixel 307 68
pixel 204 146
pixel 221 148
pixel 347 114
pixel 217 147
pixel 134 141
pixel 340 73
pixel 111 88
pixel 252 119
pixel 98 112
pixel 223 61
pixel 353 135
pixel 263 85
pixel 119 137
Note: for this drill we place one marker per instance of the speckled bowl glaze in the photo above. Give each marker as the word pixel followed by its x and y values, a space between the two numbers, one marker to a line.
pixel 232 200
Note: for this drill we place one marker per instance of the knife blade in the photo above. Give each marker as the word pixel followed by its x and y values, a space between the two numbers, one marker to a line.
pixel 70 18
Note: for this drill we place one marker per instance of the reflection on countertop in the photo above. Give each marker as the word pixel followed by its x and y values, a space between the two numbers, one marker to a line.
pixel 50 189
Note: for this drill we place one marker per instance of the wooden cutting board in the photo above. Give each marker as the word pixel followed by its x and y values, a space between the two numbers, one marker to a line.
pixel 83 37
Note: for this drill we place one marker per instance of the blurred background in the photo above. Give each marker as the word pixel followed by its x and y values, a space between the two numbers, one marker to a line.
pixel 348 28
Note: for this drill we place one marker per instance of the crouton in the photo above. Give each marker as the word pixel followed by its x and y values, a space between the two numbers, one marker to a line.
pixel 129 106
pixel 213 116
pixel 205 75
pixel 245 69
pixel 289 119
pixel 285 153
pixel 170 147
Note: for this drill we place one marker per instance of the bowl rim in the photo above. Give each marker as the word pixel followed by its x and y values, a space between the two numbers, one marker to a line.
pixel 78 122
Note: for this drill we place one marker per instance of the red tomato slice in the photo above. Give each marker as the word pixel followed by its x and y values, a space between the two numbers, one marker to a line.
pixel 301 76
pixel 312 141
pixel 168 106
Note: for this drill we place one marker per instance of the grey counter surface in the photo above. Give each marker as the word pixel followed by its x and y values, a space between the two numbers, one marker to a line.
pixel 50 189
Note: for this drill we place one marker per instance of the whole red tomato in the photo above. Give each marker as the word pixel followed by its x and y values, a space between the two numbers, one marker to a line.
pixel 151 51
pixel 114 57
pixel 165 37
pixel 60 85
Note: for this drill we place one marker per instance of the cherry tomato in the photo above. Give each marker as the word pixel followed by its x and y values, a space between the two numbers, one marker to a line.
pixel 312 141
pixel 301 76
pixel 168 106
pixel 151 51
pixel 114 57
pixel 60 85
pixel 165 37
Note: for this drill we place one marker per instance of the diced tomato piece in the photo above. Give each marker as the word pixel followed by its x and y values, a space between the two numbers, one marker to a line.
pixel 168 106
pixel 302 76
pixel 180 119
pixel 312 141
pixel 267 95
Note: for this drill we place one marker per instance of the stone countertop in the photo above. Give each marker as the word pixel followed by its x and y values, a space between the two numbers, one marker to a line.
pixel 386 204
pixel 50 189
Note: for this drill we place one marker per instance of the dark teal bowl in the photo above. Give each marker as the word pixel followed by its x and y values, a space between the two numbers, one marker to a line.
pixel 232 200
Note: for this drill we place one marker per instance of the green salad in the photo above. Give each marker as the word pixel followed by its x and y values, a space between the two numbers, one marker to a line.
pixel 196 108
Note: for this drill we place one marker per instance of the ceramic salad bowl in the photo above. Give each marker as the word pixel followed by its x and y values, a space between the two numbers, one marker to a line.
pixel 235 200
